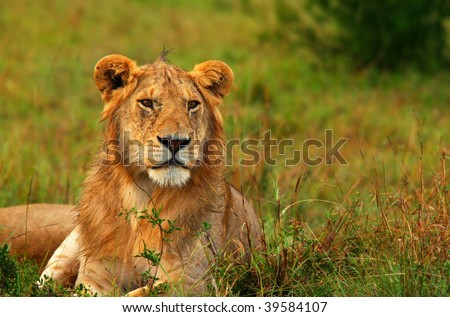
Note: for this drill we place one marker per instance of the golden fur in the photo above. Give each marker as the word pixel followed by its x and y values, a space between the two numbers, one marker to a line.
pixel 164 151
pixel 35 230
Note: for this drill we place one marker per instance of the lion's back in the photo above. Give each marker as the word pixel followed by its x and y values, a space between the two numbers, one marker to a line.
pixel 36 230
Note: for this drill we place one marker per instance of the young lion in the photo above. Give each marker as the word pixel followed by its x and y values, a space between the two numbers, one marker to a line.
pixel 158 182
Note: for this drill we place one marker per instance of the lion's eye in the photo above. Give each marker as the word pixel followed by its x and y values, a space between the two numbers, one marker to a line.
pixel 147 103
pixel 193 104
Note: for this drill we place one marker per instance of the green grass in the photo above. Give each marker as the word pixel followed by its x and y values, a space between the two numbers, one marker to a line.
pixel 375 227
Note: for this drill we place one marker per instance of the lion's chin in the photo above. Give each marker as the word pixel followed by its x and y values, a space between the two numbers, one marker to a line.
pixel 170 176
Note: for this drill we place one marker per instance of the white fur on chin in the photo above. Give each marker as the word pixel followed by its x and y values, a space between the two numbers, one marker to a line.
pixel 170 176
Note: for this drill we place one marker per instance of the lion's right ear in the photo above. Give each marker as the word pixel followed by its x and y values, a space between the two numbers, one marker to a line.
pixel 113 72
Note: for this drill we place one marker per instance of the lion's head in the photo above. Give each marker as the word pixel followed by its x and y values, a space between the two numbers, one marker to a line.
pixel 164 121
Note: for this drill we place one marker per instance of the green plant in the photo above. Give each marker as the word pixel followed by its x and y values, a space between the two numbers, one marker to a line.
pixel 165 228
pixel 8 272
pixel 387 34
pixel 17 278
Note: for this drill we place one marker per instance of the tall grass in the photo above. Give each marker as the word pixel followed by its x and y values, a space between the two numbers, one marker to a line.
pixel 379 238
pixel 377 226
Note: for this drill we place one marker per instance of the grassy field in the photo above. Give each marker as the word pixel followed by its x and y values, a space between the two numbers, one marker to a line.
pixel 376 226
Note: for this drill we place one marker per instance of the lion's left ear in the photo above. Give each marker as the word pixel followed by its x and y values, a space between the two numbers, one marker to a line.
pixel 215 76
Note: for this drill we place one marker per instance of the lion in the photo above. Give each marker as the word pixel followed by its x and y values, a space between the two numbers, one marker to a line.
pixel 35 230
pixel 155 206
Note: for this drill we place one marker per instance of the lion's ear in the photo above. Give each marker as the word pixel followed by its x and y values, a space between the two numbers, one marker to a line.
pixel 113 72
pixel 215 76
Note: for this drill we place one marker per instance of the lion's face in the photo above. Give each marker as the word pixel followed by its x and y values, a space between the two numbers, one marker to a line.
pixel 162 115
pixel 166 122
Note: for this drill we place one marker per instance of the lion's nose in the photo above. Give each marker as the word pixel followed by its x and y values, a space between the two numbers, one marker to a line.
pixel 173 144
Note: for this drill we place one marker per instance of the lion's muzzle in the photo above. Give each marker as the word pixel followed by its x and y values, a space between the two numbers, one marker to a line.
pixel 174 144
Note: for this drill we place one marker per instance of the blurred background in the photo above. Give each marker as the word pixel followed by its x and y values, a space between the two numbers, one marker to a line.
pixel 375 72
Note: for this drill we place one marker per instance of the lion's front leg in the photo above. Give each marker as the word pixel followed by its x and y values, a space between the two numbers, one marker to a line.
pixel 64 263
pixel 106 276
pixel 94 276
pixel 185 273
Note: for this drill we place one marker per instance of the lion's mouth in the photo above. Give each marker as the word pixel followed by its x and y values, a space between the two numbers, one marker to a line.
pixel 171 162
